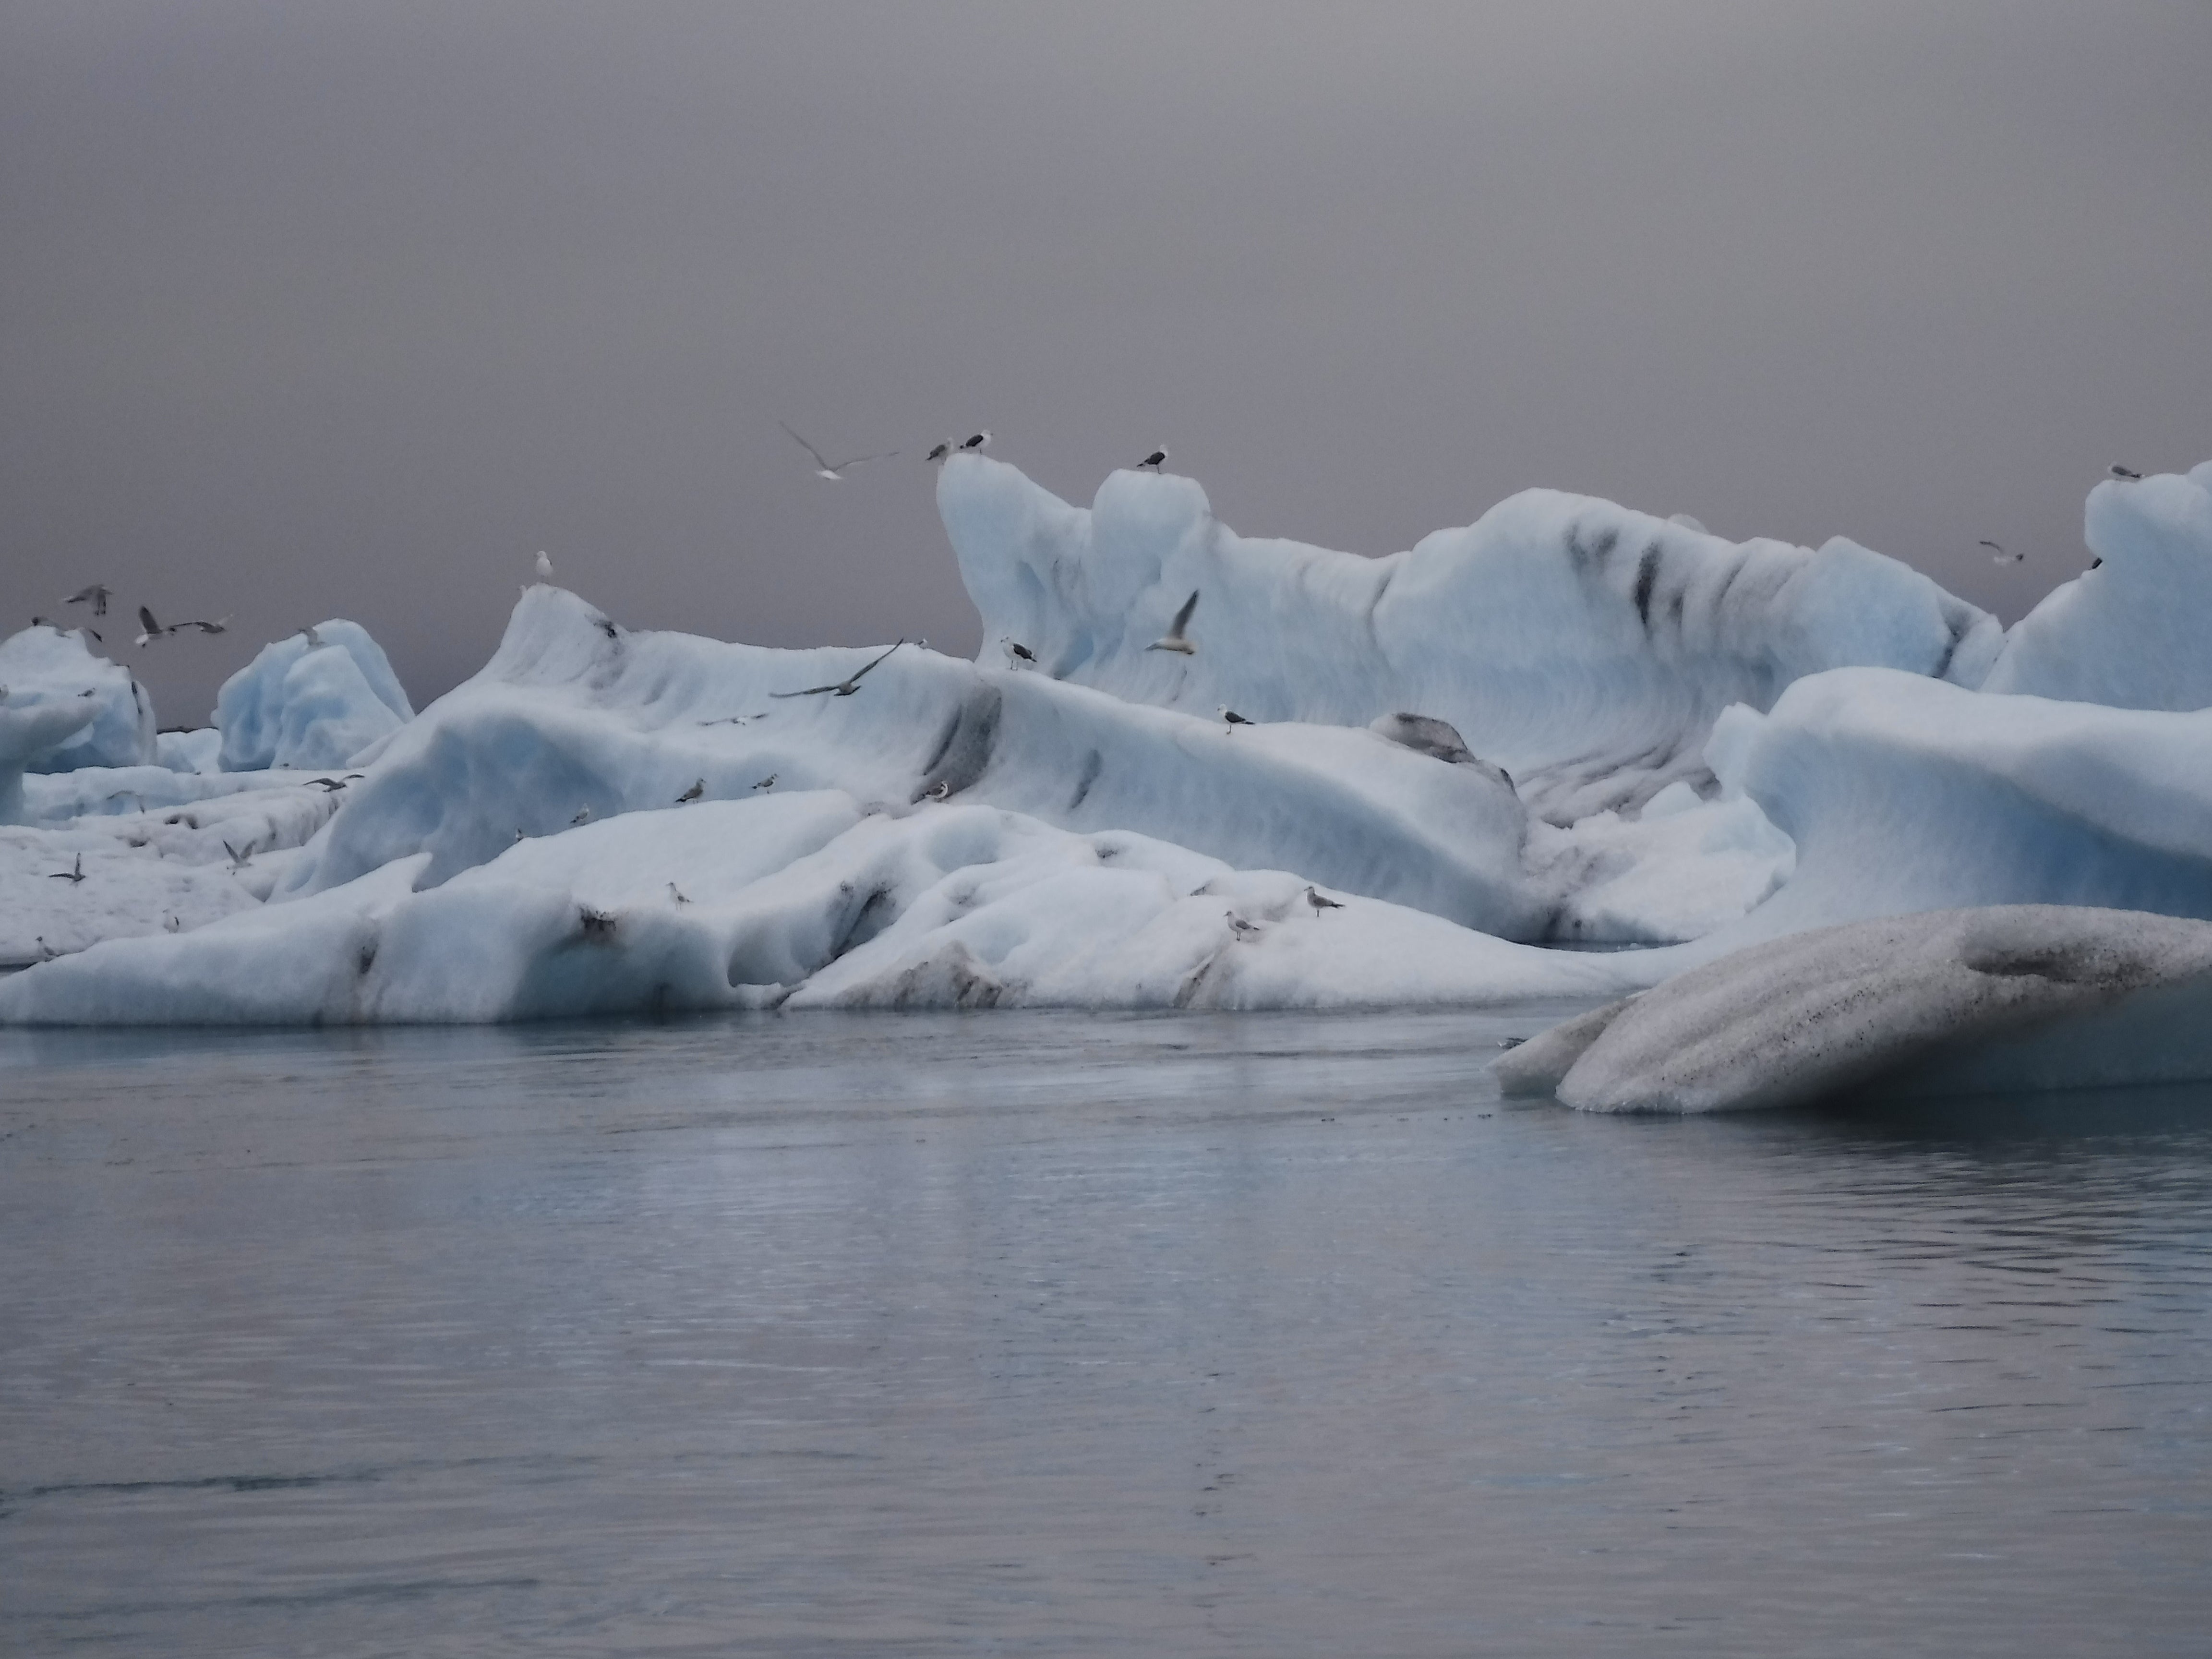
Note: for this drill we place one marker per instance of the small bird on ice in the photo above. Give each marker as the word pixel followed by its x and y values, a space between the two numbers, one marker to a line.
pixel 1998 556
pixel 96 595
pixel 2123 472
pixel 976 441
pixel 583 816
pixel 676 893
pixel 1173 639
pixel 1153 462
pixel 1241 927
pixel 544 567
pixel 314 638
pixel 844 688
pixel 826 468
pixel 693 792
pixel 943 790
pixel 1231 717
pixel 939 452
pixel 768 783
pixel 72 875
pixel 1021 652
pixel 1320 901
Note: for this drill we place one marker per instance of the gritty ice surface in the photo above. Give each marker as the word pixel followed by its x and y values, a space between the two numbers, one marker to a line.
pixel 1569 724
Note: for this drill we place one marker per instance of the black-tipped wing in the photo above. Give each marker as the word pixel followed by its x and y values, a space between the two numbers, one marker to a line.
pixel 855 680
pixel 820 459
pixel 146 621
pixel 1183 616
pixel 859 460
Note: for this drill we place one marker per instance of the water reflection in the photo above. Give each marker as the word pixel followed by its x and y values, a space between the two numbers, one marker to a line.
pixel 956 1334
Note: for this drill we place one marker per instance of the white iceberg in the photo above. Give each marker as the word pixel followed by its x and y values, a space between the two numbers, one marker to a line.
pixel 2010 998
pixel 317 698
pixel 45 664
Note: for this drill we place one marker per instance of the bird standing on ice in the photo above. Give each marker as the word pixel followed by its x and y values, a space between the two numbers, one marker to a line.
pixel 1153 462
pixel 1173 639
pixel 1320 901
pixel 1231 717
pixel 939 452
pixel 976 441
pixel 826 468
pixel 544 567
pixel 1021 652
pixel 2126 473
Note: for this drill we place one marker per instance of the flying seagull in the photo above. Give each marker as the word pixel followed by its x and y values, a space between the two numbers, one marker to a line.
pixel 544 567
pixel 149 629
pixel 1173 639
pixel 1021 652
pixel 1232 717
pixel 238 859
pixel 154 631
pixel 2123 472
pixel 1320 901
pixel 693 792
pixel 844 688
pixel 1153 462
pixel 71 876
pixel 976 441
pixel 95 595
pixel 1997 553
pixel 826 468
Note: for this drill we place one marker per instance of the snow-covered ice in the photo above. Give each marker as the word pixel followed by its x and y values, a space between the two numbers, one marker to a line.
pixel 316 698
pixel 45 664
pixel 2015 996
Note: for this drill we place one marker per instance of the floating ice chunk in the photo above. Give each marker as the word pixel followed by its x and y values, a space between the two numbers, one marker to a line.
pixel 45 664
pixel 199 751
pixel 1679 871
pixel 1584 647
pixel 2013 997
pixel 316 698
pixel 805 899
pixel 2132 631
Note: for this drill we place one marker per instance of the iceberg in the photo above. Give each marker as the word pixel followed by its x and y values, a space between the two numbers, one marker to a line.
pixel 313 699
pixel 2012 998
pixel 48 664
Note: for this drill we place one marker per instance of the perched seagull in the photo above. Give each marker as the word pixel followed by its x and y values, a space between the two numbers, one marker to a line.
pixel 676 893
pixel 826 468
pixel 583 816
pixel 844 688
pixel 1321 902
pixel 975 442
pixel 1173 639
pixel 519 836
pixel 941 792
pixel 96 595
pixel 939 452
pixel 768 783
pixel 71 876
pixel 315 638
pixel 693 792
pixel 1021 652
pixel 1999 556
pixel 544 567
pixel 1241 927
pixel 2123 472
pixel 1153 462
pixel 1232 717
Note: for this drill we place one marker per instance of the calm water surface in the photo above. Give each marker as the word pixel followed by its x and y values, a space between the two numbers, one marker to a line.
pixel 1042 1333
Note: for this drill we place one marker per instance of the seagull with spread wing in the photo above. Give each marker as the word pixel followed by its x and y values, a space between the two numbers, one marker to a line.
pixel 1173 639
pixel 844 688
pixel 826 468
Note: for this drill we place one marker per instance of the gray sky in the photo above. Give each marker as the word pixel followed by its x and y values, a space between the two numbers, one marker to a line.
pixel 311 310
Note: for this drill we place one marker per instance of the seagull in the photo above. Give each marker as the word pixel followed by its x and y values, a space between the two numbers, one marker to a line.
pixel 311 636
pixel 1153 462
pixel 215 627
pixel 330 786
pixel 1173 639
pixel 238 859
pixel 2123 472
pixel 693 792
pixel 1232 717
pixel 976 441
pixel 96 595
pixel 519 836
pixel 1021 652
pixel 544 567
pixel 1241 927
pixel 1321 902
pixel 151 629
pixel 826 468
pixel 173 925
pixel 583 816
pixel 768 783
pixel 1997 553
pixel 72 875
pixel 943 790
pixel 844 688
pixel 676 893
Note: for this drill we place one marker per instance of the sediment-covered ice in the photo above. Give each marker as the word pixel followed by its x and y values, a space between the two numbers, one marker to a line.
pixel 801 900
pixel 44 664
pixel 316 698
pixel 2131 631
pixel 1585 648
pixel 2009 998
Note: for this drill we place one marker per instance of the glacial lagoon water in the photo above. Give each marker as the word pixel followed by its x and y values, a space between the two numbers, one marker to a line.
pixel 1046 1333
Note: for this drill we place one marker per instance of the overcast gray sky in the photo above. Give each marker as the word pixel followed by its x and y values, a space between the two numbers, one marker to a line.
pixel 313 309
